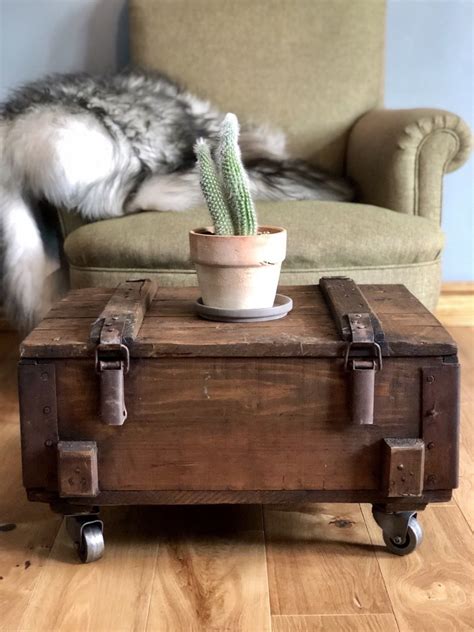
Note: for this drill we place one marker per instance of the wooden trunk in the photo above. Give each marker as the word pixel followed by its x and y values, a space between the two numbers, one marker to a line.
pixel 236 413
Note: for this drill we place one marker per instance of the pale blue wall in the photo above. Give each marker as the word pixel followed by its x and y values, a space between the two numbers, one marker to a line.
pixel 42 36
pixel 429 62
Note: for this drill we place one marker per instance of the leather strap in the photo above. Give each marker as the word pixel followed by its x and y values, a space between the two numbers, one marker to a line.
pixel 344 299
pixel 113 332
pixel 361 329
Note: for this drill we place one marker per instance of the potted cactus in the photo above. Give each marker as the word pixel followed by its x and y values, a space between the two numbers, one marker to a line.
pixel 237 261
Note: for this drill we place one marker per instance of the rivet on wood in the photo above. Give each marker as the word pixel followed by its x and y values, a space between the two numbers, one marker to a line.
pixel 400 466
pixel 430 445
pixel 46 410
pixel 48 443
pixel 431 479
pixel 430 379
pixel 44 376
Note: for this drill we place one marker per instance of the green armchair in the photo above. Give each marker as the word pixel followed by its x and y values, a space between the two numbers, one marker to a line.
pixel 315 69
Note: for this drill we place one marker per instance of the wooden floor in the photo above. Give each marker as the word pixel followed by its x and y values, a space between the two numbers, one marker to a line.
pixel 215 569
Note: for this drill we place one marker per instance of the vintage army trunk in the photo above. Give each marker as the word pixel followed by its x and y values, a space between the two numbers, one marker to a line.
pixel 128 397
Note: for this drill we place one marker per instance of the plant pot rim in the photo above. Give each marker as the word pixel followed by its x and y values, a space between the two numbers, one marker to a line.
pixel 206 231
pixel 238 250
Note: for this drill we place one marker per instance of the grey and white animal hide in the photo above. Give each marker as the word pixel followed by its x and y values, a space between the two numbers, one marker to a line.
pixel 108 146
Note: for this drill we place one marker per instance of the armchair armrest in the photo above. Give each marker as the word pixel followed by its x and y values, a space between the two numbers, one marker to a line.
pixel 397 158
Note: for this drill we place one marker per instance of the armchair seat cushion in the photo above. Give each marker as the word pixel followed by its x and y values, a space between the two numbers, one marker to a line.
pixel 369 243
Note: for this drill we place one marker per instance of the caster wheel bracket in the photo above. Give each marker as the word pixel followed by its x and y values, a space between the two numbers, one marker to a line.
pixel 394 524
pixel 76 524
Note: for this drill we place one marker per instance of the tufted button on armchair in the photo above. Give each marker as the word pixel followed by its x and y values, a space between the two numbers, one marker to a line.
pixel 315 69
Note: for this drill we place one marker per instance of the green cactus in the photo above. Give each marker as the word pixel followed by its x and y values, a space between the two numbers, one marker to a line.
pixel 235 180
pixel 225 186
pixel 212 190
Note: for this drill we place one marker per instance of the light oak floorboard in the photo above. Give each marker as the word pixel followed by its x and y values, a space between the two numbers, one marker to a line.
pixel 27 533
pixel 432 588
pixel 456 305
pixel 8 378
pixel 464 337
pixel 112 594
pixel 320 561
pixel 27 530
pixel 465 493
pixel 166 568
pixel 328 623
pixel 211 572
pixel 457 287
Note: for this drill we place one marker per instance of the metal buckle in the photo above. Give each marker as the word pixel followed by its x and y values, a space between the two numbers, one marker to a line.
pixel 372 346
pixel 112 353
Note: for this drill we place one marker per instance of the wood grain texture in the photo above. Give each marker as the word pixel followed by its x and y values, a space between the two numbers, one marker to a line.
pixel 456 304
pixel 440 420
pixel 9 343
pixel 166 569
pixel 465 493
pixel 27 532
pixel 171 327
pixel 245 497
pixel 211 572
pixel 431 589
pixel 465 338
pixel 345 298
pixel 329 623
pixel 39 424
pixel 182 416
pixel 112 594
pixel 404 467
pixel 125 310
pixel 77 468
pixel 320 562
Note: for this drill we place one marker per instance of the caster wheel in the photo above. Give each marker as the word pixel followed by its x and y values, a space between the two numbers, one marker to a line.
pixel 412 540
pixel 91 545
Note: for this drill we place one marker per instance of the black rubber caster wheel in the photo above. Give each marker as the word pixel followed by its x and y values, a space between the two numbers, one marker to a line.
pixel 91 545
pixel 411 542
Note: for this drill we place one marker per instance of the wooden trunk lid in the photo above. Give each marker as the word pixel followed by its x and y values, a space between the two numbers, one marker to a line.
pixel 172 329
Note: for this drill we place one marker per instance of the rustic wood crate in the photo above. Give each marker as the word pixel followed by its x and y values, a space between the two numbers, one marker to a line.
pixel 239 413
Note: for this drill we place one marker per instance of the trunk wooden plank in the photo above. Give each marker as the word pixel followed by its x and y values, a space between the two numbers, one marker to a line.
pixel 185 415
pixel 171 327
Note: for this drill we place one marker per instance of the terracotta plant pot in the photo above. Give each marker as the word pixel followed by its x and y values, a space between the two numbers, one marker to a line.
pixel 238 271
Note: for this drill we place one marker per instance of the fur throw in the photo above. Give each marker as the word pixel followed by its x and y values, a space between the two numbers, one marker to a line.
pixel 107 146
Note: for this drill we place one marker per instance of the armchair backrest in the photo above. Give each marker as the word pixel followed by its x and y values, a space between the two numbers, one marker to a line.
pixel 310 67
